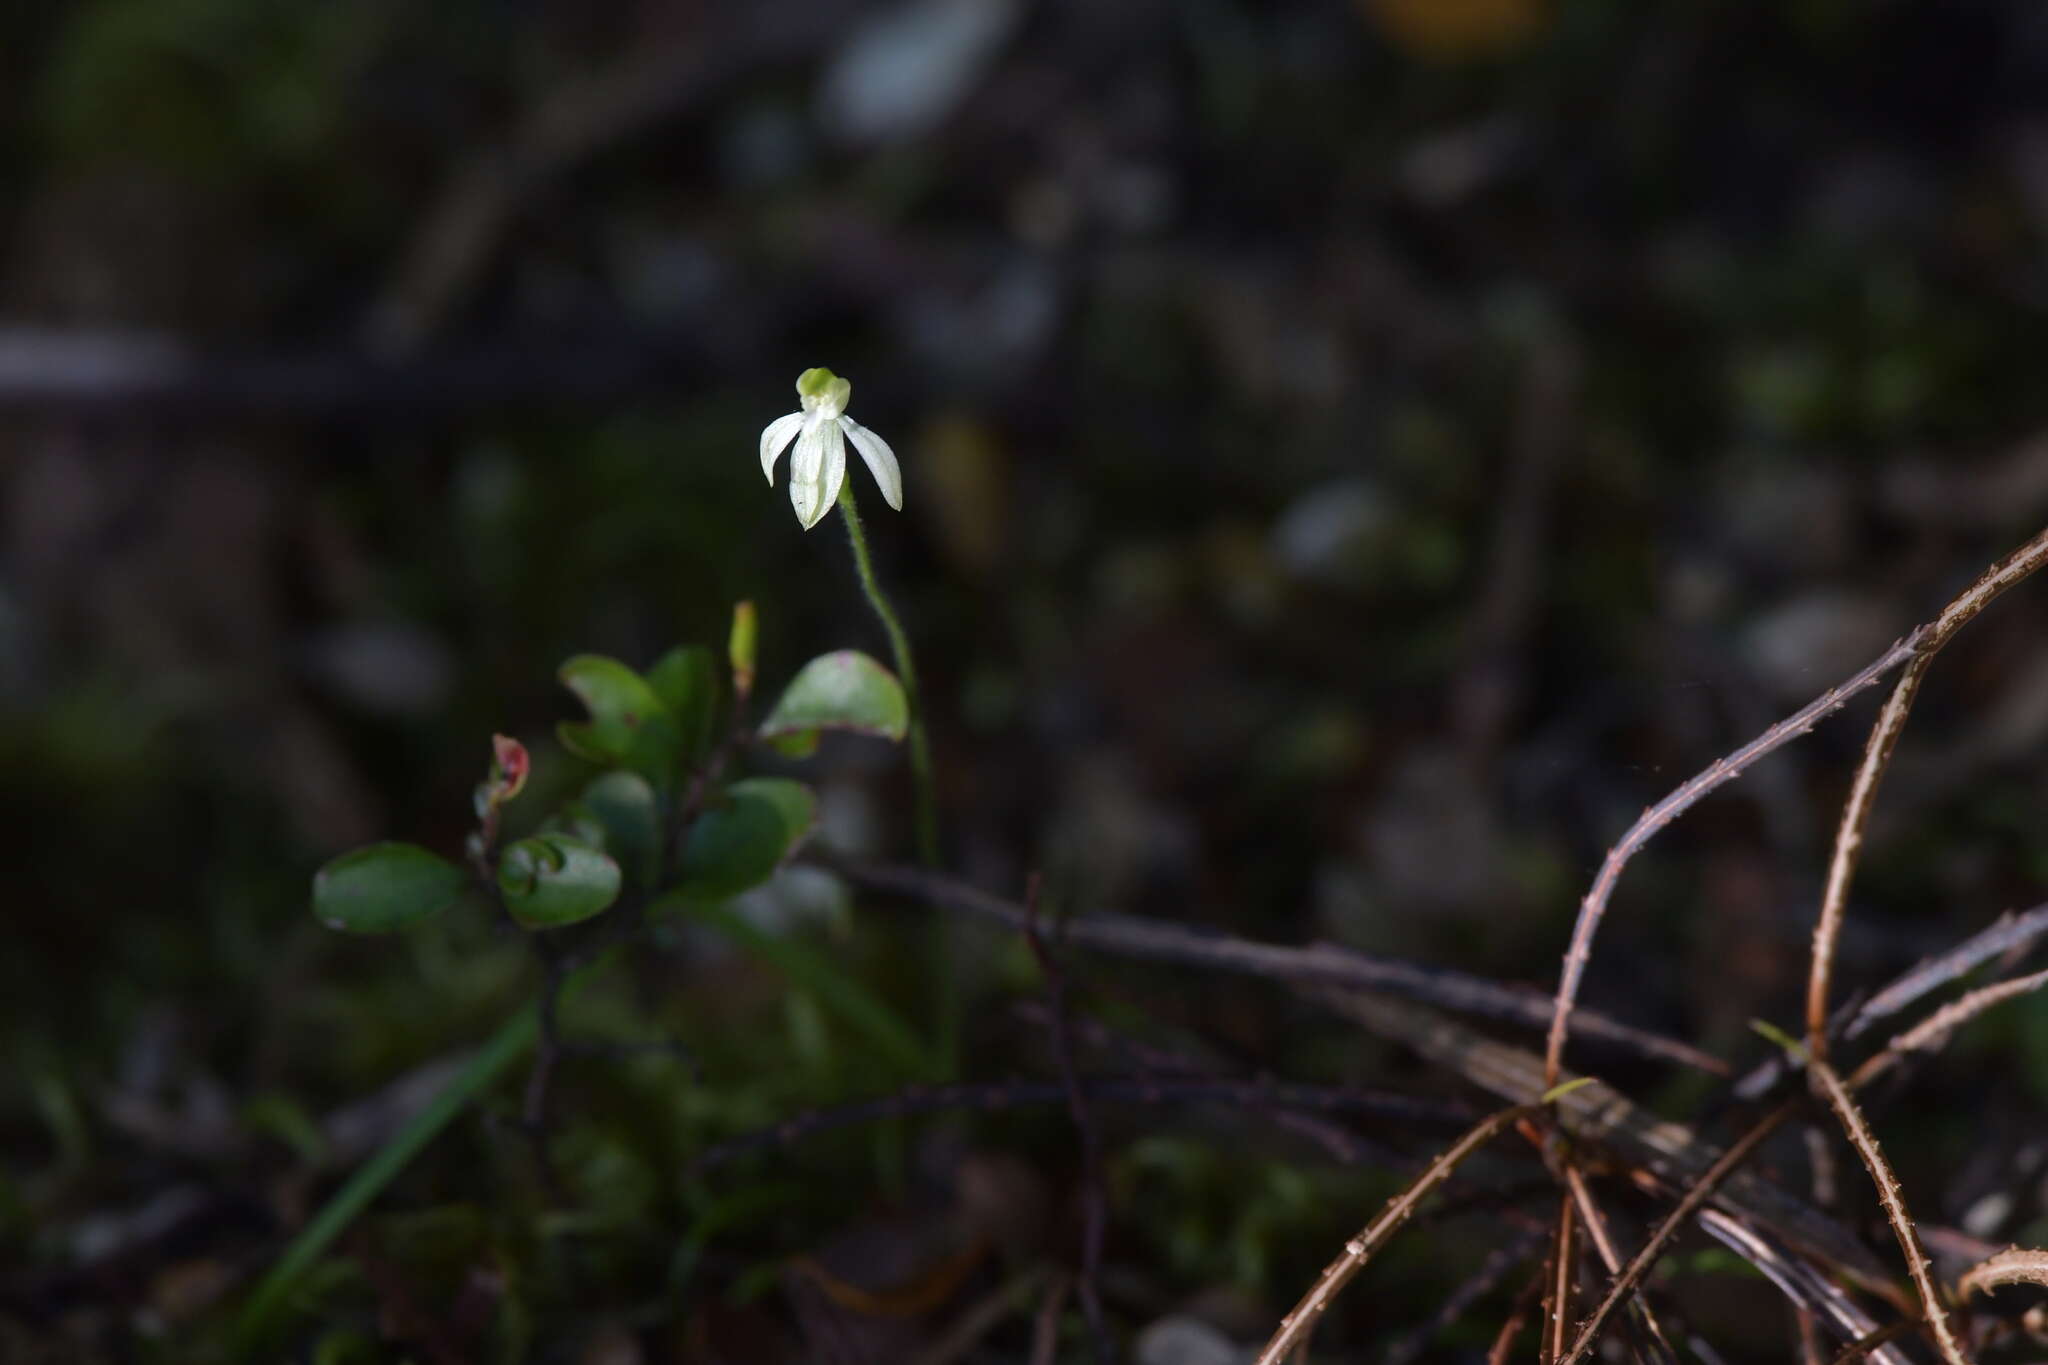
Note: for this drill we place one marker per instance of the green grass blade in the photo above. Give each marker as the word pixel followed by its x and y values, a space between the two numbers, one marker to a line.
pixel 512 1040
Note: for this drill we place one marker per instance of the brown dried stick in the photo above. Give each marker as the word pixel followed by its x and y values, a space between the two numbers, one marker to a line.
pixel 1659 1345
pixel 1832 1088
pixel 1653 819
pixel 1163 941
pixel 2014 1265
pixel 1696 1195
pixel 1877 756
pixel 1932 1033
pixel 1297 1325
pixel 1557 1302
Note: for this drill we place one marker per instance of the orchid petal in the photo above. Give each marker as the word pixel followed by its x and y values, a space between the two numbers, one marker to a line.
pixel 880 459
pixel 774 437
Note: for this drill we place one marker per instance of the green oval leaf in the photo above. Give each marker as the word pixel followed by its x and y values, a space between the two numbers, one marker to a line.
pixel 737 845
pixel 686 680
pixel 384 887
pixel 846 690
pixel 551 880
pixel 624 807
pixel 630 725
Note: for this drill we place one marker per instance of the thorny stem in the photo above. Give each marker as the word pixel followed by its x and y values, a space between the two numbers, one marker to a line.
pixel 899 645
pixel 950 1006
pixel 1701 1191
pixel 1877 755
pixel 1832 1088
pixel 1681 799
pixel 1296 1326
pixel 2014 1265
pixel 1603 1246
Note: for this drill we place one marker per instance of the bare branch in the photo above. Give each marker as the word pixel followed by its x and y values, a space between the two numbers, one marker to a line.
pixel 2008 933
pixel 1877 755
pixel 1653 819
pixel 1297 1325
pixel 1870 1341
pixel 1695 1197
pixel 1932 1033
pixel 2014 1265
pixel 1893 1198
pixel 1603 1244
pixel 1328 963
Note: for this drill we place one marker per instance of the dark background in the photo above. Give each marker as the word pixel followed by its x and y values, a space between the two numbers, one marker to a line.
pixel 1357 455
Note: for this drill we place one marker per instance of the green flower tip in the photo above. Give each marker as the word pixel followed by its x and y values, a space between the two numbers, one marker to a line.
pixel 822 383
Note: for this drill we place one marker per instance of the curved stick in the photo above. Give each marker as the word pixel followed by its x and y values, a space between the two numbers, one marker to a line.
pixel 1877 756
pixel 1654 818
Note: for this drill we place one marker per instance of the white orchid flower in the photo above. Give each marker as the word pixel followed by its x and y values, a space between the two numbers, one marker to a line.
pixel 822 429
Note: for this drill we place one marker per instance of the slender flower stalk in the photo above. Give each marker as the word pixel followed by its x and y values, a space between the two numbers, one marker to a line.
pixel 817 481
pixel 906 670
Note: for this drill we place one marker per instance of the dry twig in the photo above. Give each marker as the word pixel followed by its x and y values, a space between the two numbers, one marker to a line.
pixel 1296 1326
pixel 2014 1265
pixel 1832 1088
pixel 1322 963
pixel 1681 799
pixel 1877 755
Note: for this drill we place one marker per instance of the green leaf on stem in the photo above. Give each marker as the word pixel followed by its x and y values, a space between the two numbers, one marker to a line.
pixel 384 887
pixel 623 807
pixel 737 844
pixel 551 880
pixel 630 724
pixel 686 680
pixel 846 690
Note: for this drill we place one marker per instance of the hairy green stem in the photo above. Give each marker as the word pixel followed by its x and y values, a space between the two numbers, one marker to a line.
pixel 899 644
pixel 951 1002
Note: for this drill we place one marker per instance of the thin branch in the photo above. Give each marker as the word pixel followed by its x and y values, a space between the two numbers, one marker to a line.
pixel 1598 1114
pixel 1837 1094
pixel 1517 1320
pixel 1603 1246
pixel 1328 963
pixel 1261 1099
pixel 1094 1200
pixel 1870 1341
pixel 1932 1033
pixel 1557 1302
pixel 1296 1327
pixel 1694 1198
pixel 1654 818
pixel 1877 755
pixel 2014 1265
pixel 2011 931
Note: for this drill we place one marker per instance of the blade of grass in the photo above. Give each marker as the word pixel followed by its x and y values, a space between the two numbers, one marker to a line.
pixel 496 1057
